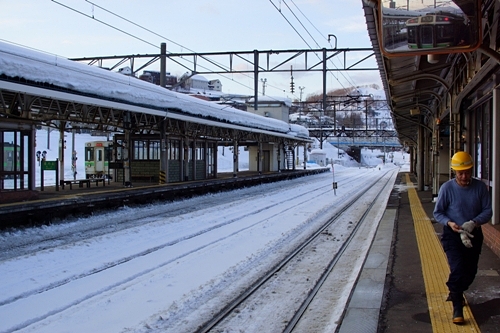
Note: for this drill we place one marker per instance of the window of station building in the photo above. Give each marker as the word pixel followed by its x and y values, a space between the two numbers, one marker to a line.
pixel 174 148
pixel 211 151
pixel 190 151
pixel 119 146
pixel 481 141
pixel 200 151
pixel 154 149
pixel 15 160
pixel 108 153
pixel 146 150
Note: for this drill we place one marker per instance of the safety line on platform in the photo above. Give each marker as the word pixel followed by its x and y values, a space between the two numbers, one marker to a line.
pixel 435 271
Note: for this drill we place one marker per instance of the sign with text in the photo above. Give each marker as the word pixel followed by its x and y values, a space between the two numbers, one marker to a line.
pixel 49 165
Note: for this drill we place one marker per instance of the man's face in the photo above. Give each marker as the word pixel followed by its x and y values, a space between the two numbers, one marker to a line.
pixel 463 177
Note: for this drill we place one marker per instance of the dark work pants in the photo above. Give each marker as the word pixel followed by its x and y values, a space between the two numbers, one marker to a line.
pixel 463 261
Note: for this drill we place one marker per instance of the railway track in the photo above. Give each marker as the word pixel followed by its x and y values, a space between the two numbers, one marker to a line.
pixel 313 300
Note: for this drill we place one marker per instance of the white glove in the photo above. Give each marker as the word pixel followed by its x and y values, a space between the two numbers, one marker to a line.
pixel 464 236
pixel 469 226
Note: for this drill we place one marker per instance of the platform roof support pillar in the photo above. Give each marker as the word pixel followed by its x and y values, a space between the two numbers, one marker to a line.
pixel 62 143
pixel 162 179
pixel 305 156
pixel 495 179
pixel 126 158
pixel 235 157
pixel 420 157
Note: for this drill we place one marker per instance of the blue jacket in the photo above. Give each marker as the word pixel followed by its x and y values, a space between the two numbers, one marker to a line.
pixel 461 204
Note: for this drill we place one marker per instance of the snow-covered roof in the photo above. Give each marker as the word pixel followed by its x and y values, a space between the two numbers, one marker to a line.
pixel 199 77
pixel 272 99
pixel 317 152
pixel 38 67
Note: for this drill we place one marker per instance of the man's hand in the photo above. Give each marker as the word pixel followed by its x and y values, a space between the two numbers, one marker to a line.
pixel 455 227
pixel 464 236
pixel 469 226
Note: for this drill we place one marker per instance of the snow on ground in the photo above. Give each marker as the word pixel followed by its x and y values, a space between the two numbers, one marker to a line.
pixel 151 269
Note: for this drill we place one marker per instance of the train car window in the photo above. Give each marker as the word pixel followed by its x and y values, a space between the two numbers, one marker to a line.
pixel 428 27
pixel 89 154
pixel 99 155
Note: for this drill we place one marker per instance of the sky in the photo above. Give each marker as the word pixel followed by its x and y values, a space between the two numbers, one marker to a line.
pixel 81 28
pixel 165 267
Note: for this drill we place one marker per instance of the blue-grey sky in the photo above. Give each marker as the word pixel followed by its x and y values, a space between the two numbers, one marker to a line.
pixel 195 25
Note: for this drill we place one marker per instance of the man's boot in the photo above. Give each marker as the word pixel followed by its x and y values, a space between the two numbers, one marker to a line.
pixel 458 311
pixel 448 299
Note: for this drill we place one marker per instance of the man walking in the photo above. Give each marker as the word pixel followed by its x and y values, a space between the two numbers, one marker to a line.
pixel 463 205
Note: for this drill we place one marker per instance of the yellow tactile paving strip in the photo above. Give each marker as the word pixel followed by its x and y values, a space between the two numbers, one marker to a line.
pixel 435 271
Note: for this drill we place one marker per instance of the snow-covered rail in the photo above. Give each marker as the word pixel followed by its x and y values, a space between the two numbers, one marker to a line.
pixel 166 267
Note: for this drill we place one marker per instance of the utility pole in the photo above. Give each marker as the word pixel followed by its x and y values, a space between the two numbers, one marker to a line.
pixel 301 105
pixel 264 80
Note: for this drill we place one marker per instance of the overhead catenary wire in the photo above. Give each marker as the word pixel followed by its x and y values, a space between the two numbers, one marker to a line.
pixel 102 22
pixel 323 35
pixel 290 23
pixel 327 39
pixel 303 26
pixel 129 34
pixel 152 32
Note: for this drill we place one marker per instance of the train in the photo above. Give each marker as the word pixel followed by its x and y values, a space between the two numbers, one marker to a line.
pixel 438 30
pixel 98 155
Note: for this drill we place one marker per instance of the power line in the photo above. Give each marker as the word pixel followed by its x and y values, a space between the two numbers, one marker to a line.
pixel 156 34
pixel 290 9
pixel 327 39
pixel 138 25
pixel 106 24
pixel 298 33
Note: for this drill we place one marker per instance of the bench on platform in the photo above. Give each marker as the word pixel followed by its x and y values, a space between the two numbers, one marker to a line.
pixel 81 182
pixel 144 178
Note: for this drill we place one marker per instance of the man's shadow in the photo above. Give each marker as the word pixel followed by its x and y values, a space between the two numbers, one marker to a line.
pixel 482 312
